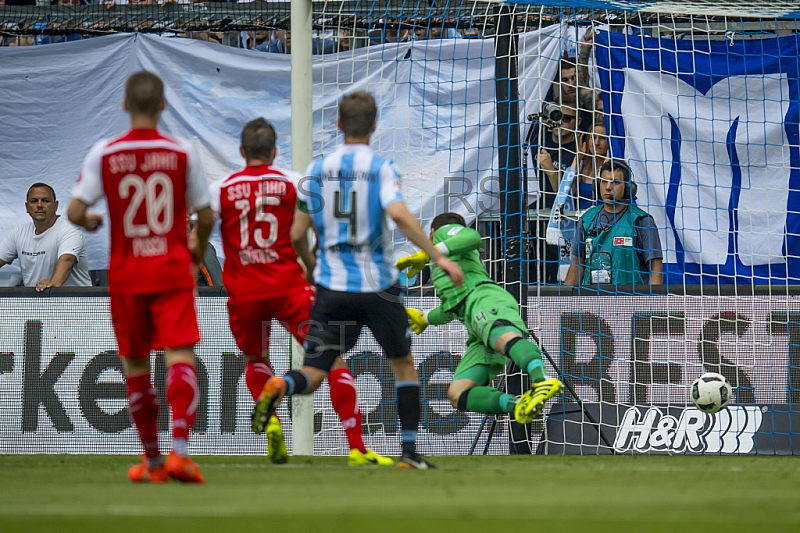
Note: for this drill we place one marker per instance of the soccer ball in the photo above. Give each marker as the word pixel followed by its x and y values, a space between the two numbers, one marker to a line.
pixel 711 392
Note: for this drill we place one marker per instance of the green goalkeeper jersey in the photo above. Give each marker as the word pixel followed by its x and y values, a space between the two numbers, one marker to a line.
pixel 462 247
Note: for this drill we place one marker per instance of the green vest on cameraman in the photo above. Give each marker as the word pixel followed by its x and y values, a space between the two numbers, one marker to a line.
pixel 610 256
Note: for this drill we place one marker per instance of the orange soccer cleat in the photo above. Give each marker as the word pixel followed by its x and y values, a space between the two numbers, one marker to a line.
pixel 142 474
pixel 183 469
pixel 266 404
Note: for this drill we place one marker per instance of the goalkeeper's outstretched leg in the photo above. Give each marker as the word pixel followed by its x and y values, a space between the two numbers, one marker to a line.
pixel 497 333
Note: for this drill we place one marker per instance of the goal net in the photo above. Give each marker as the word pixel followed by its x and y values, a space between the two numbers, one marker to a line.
pixel 484 107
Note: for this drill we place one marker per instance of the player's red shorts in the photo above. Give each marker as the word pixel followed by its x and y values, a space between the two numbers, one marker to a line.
pixel 144 322
pixel 250 321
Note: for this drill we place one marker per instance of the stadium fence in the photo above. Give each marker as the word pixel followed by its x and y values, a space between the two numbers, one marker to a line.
pixel 700 99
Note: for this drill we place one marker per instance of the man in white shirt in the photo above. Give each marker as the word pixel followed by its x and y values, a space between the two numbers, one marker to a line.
pixel 51 251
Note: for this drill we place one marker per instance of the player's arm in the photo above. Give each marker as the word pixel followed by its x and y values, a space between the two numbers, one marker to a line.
pixel 198 199
pixel 409 226
pixel 60 272
pixel 299 235
pixel 419 320
pixel 88 190
pixel 459 240
pixel 198 240
pixel 78 213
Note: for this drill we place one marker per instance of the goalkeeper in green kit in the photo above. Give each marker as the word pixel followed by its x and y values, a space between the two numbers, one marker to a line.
pixel 491 316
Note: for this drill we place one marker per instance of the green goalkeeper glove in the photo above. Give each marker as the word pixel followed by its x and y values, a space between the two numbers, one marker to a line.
pixel 416 263
pixel 416 320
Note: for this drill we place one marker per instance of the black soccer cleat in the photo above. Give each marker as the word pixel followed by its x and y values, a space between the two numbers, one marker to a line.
pixel 414 462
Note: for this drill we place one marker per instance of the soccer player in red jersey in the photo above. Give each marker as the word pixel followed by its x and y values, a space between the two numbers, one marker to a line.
pixel 149 181
pixel 264 280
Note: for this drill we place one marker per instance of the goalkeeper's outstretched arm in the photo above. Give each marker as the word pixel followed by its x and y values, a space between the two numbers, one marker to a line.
pixel 410 227
pixel 438 316
pixel 458 240
pixel 419 320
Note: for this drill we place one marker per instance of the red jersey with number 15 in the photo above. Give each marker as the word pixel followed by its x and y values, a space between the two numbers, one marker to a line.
pixel 149 181
pixel 256 209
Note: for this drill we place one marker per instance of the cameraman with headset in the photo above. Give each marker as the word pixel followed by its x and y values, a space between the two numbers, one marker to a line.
pixel 616 242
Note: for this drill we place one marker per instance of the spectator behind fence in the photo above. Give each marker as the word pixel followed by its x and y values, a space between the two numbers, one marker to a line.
pixel 556 154
pixel 616 242
pixel 565 86
pixel 51 251
pixel 590 109
pixel 592 153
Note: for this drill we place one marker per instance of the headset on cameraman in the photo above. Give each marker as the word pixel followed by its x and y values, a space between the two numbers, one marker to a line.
pixel 630 186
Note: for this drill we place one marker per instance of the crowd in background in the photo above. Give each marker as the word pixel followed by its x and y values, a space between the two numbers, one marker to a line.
pixel 577 139
pixel 275 37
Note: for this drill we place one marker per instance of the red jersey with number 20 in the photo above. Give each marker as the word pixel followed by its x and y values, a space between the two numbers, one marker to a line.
pixel 256 209
pixel 149 181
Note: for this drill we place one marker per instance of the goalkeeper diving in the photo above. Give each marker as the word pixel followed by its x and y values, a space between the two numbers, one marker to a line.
pixel 491 316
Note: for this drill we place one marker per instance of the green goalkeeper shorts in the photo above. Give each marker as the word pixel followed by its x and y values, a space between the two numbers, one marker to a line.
pixel 484 307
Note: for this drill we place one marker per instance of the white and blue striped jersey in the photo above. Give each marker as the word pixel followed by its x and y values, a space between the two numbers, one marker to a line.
pixel 346 194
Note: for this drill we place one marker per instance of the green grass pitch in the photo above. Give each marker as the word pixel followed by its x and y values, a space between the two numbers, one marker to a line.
pixel 508 494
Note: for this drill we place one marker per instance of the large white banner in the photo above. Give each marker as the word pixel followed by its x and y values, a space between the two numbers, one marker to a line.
pixel 436 99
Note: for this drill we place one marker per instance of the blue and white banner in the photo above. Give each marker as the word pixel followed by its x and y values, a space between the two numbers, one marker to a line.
pixel 710 130
pixel 436 103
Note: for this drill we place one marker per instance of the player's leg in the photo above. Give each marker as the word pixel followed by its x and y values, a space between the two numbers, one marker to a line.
pixel 386 317
pixel 344 397
pixel 470 389
pixel 528 356
pixel 331 332
pixel 250 324
pixel 492 315
pixel 509 339
pixel 130 316
pixel 408 408
pixel 175 324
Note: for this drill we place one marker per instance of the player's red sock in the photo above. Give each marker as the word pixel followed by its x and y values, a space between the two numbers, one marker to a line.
pixel 256 374
pixel 182 396
pixel 143 408
pixel 345 402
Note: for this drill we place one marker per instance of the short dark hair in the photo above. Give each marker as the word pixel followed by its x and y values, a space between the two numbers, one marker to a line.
pixel 445 219
pixel 144 92
pixel 615 165
pixel 567 63
pixel 40 185
pixel 357 112
pixel 258 140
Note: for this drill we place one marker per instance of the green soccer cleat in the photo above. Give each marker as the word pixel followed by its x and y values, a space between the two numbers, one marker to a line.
pixel 532 402
pixel 267 403
pixel 370 458
pixel 276 447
